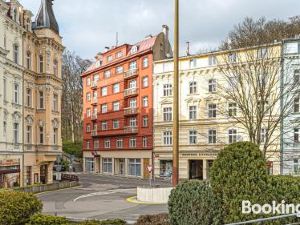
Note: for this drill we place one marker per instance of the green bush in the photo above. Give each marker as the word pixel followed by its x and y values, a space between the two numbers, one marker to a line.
pixel 73 148
pixel 161 219
pixel 238 174
pixel 105 222
pixel 193 203
pixel 39 219
pixel 16 208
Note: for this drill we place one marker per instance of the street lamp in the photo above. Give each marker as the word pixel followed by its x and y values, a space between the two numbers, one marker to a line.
pixel 175 175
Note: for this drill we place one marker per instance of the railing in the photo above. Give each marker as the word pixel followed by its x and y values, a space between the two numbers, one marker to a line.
pixel 130 130
pixel 130 73
pixel 130 91
pixel 94 116
pixel 94 84
pixel 130 111
pixel 95 100
pixel 94 133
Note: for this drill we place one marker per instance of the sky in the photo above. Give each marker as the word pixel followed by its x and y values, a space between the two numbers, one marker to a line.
pixel 88 26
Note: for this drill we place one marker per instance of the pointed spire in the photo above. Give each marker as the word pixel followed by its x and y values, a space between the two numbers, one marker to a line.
pixel 45 17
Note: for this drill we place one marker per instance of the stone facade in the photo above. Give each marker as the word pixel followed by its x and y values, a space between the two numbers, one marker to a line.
pixel 31 89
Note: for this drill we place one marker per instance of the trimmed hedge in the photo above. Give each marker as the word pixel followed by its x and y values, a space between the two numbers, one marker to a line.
pixel 16 208
pixel 39 219
pixel 193 202
pixel 105 222
pixel 160 219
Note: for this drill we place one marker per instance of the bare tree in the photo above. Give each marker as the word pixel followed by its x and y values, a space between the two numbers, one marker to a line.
pixel 256 98
pixel 73 66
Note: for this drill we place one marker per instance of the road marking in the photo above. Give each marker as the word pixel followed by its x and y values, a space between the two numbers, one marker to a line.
pixel 135 201
pixel 103 193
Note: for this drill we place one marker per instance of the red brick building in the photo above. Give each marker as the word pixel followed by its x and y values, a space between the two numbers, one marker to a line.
pixel 118 107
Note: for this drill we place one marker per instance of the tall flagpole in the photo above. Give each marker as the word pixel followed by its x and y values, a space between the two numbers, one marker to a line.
pixel 175 175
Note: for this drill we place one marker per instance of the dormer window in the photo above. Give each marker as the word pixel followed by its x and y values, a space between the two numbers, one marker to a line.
pixel 109 58
pixel 119 54
pixel 134 50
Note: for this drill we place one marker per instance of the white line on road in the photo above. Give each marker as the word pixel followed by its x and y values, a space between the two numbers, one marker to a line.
pixel 103 193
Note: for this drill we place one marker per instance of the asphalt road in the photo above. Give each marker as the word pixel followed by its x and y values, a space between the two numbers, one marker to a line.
pixel 100 197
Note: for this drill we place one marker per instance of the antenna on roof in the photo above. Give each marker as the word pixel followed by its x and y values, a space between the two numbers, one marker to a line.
pixel 117 39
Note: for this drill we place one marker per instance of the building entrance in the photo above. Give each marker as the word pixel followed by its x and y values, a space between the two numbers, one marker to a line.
pixel 196 169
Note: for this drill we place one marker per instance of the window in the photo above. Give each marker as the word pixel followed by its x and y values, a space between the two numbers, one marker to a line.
pixel 107 74
pixel 212 136
pixel 88 81
pixel 132 142
pixel 116 106
pixel 212 85
pixel 28 60
pixel 41 64
pixel 262 53
pixel 4 89
pixel 145 121
pixel 116 88
pixel 88 128
pixel 145 142
pixel 29 134
pixel 145 101
pixel 96 144
pixel 167 113
pixel 232 136
pixel 119 70
pixel 55 67
pixel 41 130
pixel 232 57
pixel 296 166
pixel 88 145
pixel 119 54
pixel 16 133
pixel 192 137
pixel 16 54
pixel 28 97
pixel 88 112
pixel 167 138
pixel 109 58
pixel 133 122
pixel 16 93
pixel 107 165
pixel 104 108
pixel 89 164
pixel 96 78
pixel 107 143
pixel 119 143
pixel 104 125
pixel 145 62
pixel 193 63
pixel 41 100
pixel 212 111
pixel 296 105
pixel 55 136
pixel 133 65
pixel 193 112
pixel 193 87
pixel 4 128
pixel 168 90
pixel 132 103
pixel 104 91
pixel 212 60
pixel 55 103
pixel 134 167
pixel 134 49
pixel 296 135
pixel 116 124
pixel 232 109
pixel 296 76
pixel 88 97
pixel 132 84
pixel 263 135
pixel 145 81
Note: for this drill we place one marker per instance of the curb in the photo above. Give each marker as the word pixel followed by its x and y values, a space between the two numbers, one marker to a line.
pixel 134 200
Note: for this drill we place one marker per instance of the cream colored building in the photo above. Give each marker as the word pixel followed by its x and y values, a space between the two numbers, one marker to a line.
pixel 30 99
pixel 204 131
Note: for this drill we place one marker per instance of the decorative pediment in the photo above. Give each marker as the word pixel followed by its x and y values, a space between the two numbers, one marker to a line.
pixel 29 120
pixel 193 99
pixel 55 123
pixel 16 117
pixel 41 123
pixel 166 101
pixel 5 114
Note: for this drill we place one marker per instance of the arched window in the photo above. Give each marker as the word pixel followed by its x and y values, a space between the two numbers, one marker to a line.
pixel 28 60
pixel 55 67
pixel 41 64
pixel 16 53
pixel 15 13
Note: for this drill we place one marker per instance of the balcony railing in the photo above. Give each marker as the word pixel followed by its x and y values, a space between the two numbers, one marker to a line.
pixel 94 133
pixel 130 73
pixel 130 91
pixel 94 116
pixel 94 84
pixel 130 111
pixel 130 130
pixel 95 101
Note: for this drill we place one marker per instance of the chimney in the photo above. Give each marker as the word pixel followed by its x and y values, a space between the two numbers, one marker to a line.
pixel 166 32
pixel 188 48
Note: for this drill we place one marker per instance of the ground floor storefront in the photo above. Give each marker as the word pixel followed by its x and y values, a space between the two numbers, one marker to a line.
pixel 119 163
pixel 10 171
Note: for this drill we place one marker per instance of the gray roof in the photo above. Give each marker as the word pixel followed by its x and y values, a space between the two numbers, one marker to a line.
pixel 45 17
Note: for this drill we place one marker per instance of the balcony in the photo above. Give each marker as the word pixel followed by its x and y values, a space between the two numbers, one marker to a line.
pixel 130 91
pixel 94 101
pixel 94 133
pixel 130 111
pixel 94 116
pixel 130 73
pixel 131 130
pixel 94 85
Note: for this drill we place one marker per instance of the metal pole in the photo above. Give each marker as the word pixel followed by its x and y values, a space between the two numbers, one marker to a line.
pixel 175 175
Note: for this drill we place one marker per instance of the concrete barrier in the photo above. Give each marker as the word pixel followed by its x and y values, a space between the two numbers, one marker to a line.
pixel 48 187
pixel 154 195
